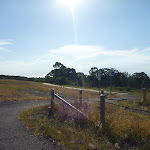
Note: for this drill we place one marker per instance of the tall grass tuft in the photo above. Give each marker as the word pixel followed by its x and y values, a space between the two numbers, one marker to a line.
pixel 126 127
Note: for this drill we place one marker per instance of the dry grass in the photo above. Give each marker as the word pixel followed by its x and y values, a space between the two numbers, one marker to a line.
pixel 74 93
pixel 126 127
pixel 78 135
pixel 138 103
pixel 23 90
pixel 16 90
pixel 123 130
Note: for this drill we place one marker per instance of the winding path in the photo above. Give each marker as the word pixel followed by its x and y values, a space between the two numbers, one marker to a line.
pixel 14 135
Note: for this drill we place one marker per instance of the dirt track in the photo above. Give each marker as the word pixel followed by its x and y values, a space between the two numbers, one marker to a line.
pixel 14 135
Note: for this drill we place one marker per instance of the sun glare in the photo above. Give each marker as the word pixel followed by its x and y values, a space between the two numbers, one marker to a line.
pixel 70 3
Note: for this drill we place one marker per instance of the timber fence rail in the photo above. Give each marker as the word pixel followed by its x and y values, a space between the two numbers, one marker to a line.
pixel 102 106
pixel 136 110
pixel 66 103
pixel 69 105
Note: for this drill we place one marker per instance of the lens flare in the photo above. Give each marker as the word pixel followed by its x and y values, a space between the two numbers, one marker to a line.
pixel 71 3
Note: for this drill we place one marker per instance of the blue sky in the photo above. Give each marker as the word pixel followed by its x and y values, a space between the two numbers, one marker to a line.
pixel 34 34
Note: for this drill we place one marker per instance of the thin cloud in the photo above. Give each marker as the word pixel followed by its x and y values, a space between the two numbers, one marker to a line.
pixel 88 51
pixel 86 56
pixel 147 49
pixel 4 49
pixel 82 58
pixel 37 67
pixel 4 43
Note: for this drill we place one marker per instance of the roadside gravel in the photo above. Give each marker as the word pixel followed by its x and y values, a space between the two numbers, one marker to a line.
pixel 14 135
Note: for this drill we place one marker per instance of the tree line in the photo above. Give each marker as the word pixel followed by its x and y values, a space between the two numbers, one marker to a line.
pixel 63 75
pixel 120 79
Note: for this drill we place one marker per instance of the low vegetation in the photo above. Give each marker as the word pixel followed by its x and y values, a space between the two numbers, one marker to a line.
pixel 77 134
pixel 11 90
pixel 21 90
pixel 123 130
pixel 138 103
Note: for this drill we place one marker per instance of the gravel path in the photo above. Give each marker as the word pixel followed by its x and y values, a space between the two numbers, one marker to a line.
pixel 14 135
pixel 123 97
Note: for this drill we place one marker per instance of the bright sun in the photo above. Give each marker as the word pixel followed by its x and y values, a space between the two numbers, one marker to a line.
pixel 70 3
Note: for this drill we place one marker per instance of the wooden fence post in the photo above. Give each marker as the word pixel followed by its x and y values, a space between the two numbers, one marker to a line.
pixel 80 97
pixel 51 111
pixel 102 92
pixel 144 95
pixel 102 110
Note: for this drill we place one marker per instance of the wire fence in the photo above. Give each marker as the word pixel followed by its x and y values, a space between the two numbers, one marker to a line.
pixel 70 105
pixel 74 109
pixel 70 109
pixel 77 109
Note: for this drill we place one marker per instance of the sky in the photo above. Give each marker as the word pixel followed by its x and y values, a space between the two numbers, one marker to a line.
pixel 34 34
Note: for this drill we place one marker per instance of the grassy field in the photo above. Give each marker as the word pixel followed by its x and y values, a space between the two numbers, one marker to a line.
pixel 11 90
pixel 123 130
